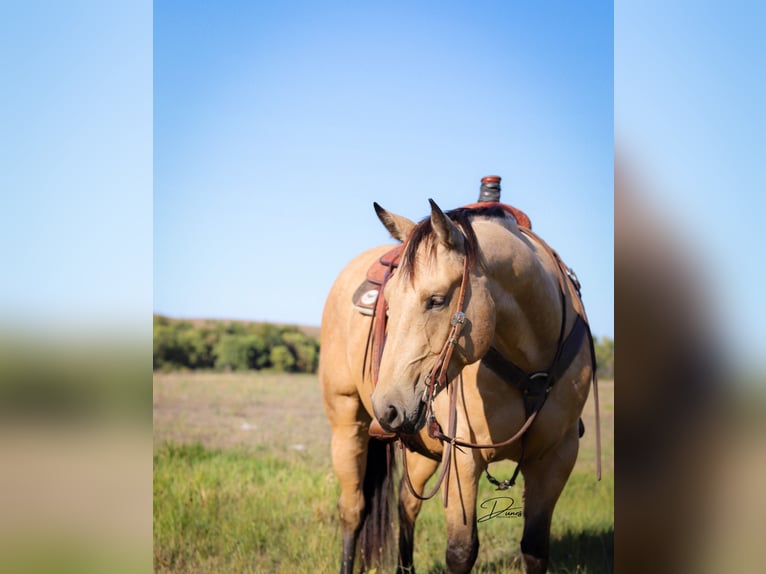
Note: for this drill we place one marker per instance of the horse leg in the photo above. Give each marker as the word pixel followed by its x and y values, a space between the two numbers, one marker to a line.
pixel 420 469
pixel 462 536
pixel 544 479
pixel 349 453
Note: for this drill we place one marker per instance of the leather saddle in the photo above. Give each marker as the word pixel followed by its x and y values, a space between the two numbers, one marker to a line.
pixel 366 295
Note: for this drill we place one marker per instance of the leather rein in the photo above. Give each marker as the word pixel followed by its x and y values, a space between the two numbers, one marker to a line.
pixel 534 387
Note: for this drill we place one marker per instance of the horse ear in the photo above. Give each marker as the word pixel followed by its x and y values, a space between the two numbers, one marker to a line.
pixel 445 229
pixel 399 227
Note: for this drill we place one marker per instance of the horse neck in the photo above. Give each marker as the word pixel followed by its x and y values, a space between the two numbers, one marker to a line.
pixel 525 289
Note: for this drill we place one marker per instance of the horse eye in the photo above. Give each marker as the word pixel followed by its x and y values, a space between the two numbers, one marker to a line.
pixel 435 301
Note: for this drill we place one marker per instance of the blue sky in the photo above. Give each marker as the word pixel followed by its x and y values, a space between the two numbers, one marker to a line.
pixel 76 181
pixel 277 124
pixel 690 93
pixel 223 160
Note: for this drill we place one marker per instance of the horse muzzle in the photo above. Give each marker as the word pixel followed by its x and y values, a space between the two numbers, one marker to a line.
pixel 394 417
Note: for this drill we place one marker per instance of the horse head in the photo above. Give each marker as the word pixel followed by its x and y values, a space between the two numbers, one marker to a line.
pixel 440 275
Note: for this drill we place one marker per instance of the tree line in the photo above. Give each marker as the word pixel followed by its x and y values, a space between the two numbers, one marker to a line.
pixel 232 346
pixel 604 357
pixel 239 346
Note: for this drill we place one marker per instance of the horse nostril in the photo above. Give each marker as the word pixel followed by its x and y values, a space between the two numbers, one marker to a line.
pixel 391 419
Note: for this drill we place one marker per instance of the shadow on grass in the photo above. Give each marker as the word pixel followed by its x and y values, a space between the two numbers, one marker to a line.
pixel 591 552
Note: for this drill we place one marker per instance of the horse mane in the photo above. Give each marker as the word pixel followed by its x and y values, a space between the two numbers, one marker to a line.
pixel 423 233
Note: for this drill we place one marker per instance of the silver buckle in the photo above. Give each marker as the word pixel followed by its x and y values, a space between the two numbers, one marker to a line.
pixel 573 276
pixel 458 319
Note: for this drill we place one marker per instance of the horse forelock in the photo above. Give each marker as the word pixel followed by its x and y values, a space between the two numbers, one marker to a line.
pixel 423 235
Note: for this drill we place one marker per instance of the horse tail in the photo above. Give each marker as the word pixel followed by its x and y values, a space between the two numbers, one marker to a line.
pixel 377 528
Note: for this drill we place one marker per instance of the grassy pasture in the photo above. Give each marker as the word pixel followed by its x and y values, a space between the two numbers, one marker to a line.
pixel 243 483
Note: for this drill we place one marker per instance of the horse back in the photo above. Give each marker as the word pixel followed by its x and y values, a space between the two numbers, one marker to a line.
pixel 345 335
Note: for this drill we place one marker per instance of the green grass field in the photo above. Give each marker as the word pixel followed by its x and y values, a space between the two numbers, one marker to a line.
pixel 243 483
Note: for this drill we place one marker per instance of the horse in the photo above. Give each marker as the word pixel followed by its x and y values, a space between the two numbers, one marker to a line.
pixel 484 326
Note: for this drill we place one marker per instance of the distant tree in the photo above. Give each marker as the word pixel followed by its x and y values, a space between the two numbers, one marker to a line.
pixel 231 354
pixel 196 347
pixel 241 352
pixel 282 359
pixel 270 334
pixel 305 350
pixel 166 355
pixel 174 345
pixel 232 345
pixel 605 357
pixel 258 351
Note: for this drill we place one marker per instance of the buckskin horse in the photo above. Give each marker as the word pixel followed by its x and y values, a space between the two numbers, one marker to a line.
pixel 479 324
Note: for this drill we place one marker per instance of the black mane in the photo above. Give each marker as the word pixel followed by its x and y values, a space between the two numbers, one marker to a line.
pixel 423 232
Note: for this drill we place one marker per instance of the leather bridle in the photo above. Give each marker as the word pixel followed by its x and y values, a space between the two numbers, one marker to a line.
pixel 533 392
